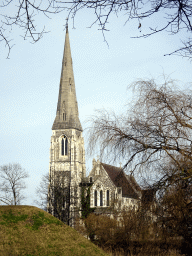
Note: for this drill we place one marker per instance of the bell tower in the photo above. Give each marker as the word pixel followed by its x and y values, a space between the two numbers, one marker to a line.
pixel 67 154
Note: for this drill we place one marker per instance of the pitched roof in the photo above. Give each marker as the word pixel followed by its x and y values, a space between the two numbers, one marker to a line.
pixel 112 171
pixel 119 179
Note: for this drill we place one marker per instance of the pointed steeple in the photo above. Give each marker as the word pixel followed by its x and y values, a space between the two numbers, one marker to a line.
pixel 67 115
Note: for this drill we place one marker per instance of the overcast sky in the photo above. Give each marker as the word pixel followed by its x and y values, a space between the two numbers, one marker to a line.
pixel 30 82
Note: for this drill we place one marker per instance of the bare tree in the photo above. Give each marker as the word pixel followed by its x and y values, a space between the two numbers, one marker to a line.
pixel 155 137
pixel 56 196
pixel 21 14
pixel 176 15
pixel 155 129
pixel 42 192
pixel 51 193
pixel 12 184
pixel 59 195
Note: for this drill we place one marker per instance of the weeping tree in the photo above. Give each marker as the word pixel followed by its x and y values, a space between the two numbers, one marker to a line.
pixel 156 128
pixel 154 137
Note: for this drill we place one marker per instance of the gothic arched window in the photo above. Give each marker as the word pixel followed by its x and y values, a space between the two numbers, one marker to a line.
pixel 101 198
pixel 107 197
pixel 64 143
pixel 95 197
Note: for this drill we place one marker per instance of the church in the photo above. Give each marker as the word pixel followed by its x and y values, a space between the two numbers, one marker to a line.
pixel 67 171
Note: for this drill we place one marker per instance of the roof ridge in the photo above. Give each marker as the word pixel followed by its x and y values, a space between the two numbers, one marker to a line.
pixel 120 168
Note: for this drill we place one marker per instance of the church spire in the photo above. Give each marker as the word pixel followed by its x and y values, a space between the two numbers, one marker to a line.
pixel 67 115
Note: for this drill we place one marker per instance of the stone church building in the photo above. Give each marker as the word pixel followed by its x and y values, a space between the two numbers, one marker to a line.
pixel 67 170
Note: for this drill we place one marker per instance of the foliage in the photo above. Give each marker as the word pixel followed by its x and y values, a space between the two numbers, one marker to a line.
pixel 12 183
pixel 85 202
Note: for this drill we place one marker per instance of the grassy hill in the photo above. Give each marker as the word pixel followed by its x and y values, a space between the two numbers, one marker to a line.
pixel 28 230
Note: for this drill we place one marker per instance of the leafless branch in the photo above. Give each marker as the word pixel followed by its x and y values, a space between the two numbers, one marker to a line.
pixel 12 178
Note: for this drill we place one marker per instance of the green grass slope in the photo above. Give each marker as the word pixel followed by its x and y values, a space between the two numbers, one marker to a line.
pixel 28 230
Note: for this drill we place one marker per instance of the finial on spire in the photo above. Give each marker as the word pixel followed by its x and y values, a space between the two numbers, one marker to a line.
pixel 66 26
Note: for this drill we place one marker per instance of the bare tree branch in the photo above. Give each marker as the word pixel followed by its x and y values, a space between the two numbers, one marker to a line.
pixel 157 126
pixel 177 16
pixel 12 183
